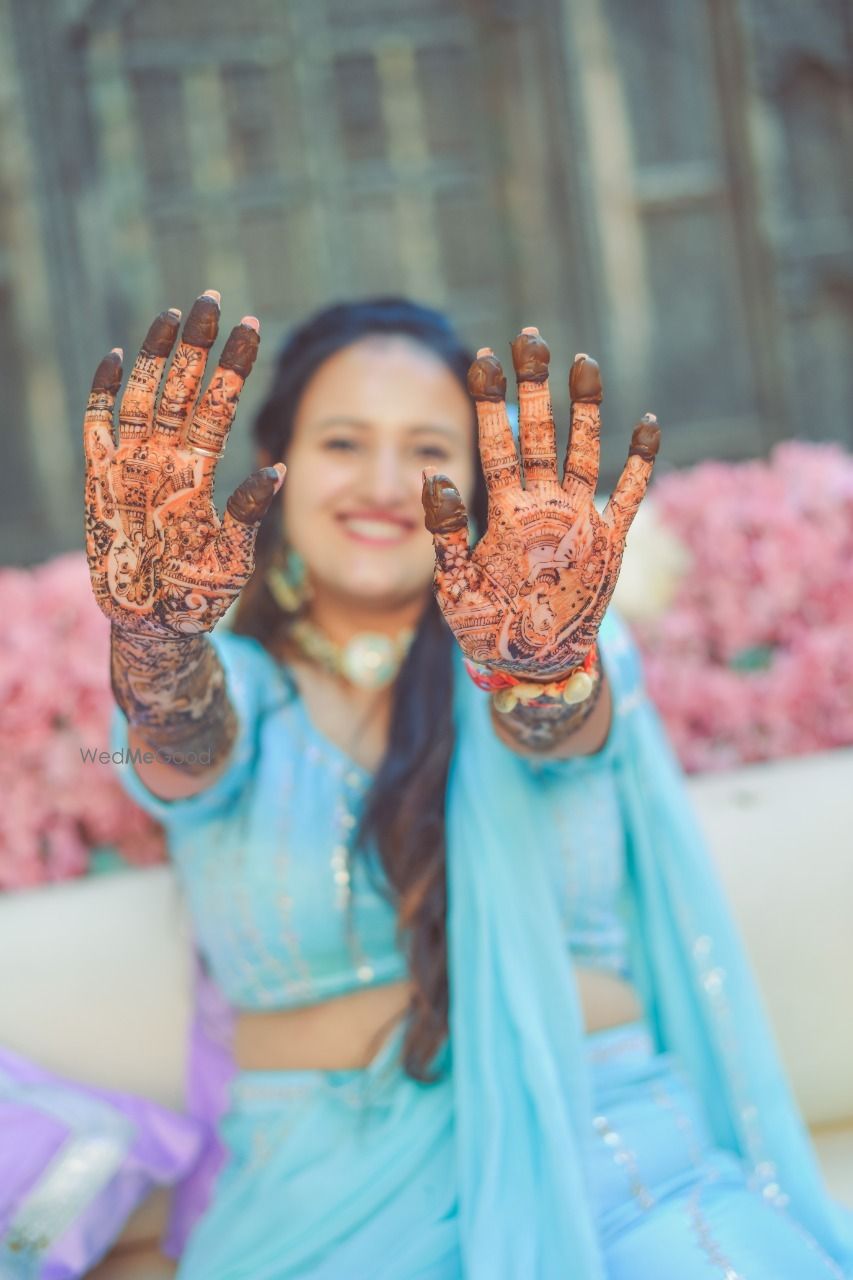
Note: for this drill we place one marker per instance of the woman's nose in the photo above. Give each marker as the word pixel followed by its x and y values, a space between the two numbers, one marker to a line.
pixel 388 481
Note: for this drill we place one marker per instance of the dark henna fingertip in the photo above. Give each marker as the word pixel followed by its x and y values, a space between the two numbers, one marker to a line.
pixel 202 324
pixel 531 356
pixel 486 379
pixel 160 338
pixel 585 381
pixel 249 502
pixel 444 511
pixel 108 374
pixel 645 440
pixel 241 350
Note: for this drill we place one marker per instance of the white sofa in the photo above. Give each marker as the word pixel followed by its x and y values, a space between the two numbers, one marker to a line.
pixel 96 973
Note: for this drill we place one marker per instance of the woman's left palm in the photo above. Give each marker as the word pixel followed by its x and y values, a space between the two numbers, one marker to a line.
pixel 530 597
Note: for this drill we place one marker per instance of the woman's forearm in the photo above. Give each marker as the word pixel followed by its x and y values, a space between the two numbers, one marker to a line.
pixel 173 693
pixel 555 729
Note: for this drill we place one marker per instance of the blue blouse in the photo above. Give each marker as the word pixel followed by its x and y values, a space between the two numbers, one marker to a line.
pixel 282 914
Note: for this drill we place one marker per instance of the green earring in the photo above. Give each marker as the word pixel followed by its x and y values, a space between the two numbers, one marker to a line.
pixel 288 581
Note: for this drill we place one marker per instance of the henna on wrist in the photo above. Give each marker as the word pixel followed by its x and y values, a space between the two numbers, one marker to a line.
pixel 544 727
pixel 174 692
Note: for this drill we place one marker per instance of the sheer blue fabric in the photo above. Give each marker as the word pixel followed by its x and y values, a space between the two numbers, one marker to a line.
pixel 508 1127
pixel 353 1174
pixel 522 1090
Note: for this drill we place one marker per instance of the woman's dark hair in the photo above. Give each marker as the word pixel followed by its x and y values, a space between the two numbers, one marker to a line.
pixel 403 815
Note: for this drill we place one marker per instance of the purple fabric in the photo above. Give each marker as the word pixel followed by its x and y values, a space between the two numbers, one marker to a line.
pixel 40 1112
pixel 210 1069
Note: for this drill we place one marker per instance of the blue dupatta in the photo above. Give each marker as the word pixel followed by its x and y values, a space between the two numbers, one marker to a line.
pixel 521 1087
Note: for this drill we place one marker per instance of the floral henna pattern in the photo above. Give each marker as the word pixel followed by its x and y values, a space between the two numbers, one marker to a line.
pixel 530 597
pixel 173 691
pixel 164 567
pixel 161 560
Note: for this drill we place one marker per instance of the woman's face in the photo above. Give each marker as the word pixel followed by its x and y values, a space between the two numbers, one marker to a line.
pixel 371 418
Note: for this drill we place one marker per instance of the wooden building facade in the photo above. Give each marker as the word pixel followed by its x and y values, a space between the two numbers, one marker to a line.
pixel 665 184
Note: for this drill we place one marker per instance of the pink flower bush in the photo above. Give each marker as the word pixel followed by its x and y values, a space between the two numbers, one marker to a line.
pixel 753 658
pixel 55 699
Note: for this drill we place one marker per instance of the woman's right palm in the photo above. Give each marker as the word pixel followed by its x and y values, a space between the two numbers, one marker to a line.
pixel 161 560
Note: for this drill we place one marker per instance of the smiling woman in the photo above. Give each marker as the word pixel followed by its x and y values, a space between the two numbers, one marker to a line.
pixel 402 884
pixel 355 460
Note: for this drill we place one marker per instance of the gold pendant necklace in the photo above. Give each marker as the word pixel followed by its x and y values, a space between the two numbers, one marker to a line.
pixel 369 659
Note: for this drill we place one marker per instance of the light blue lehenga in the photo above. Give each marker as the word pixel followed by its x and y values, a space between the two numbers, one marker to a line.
pixel 668 1148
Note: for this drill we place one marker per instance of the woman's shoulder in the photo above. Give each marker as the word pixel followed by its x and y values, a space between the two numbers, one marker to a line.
pixel 239 647
pixel 620 657
pixel 251 669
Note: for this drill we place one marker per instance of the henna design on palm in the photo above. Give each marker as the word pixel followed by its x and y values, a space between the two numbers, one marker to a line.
pixel 530 597
pixel 162 562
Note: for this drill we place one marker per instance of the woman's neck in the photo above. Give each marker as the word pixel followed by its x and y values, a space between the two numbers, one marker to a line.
pixel 340 619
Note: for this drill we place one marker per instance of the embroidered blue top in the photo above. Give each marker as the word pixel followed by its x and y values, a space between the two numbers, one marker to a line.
pixel 283 914
pixel 263 859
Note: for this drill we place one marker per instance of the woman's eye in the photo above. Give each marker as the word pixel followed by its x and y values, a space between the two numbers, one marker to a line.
pixel 434 451
pixel 338 442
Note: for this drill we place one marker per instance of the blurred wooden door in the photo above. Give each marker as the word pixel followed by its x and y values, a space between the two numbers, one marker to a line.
pixel 606 170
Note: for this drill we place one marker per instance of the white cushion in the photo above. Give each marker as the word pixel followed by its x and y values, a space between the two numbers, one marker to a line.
pixel 780 834
pixel 96 980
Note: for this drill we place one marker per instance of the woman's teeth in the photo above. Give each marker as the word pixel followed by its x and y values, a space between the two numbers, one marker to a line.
pixel 381 530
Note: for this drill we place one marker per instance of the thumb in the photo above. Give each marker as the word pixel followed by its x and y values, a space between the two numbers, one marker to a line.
pixel 244 511
pixel 447 520
pixel 250 502
pixel 444 510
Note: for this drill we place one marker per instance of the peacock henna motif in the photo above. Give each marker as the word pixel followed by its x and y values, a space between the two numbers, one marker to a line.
pixel 530 597
pixel 164 567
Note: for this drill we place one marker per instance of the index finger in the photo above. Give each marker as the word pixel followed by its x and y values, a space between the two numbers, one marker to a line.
pixel 98 442
pixel 487 385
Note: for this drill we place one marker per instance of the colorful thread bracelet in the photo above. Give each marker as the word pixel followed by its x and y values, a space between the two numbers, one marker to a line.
pixel 509 690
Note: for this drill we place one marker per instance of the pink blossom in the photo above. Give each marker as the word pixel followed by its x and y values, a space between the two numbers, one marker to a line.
pixel 55 697
pixel 753 659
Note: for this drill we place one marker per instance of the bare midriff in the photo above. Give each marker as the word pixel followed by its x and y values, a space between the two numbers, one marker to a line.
pixel 346 1032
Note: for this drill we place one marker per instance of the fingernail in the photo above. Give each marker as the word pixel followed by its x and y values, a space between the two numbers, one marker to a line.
pixel 282 471
pixel 582 355
pixel 117 351
pixel 214 294
pixel 252 322
pixel 649 417
pixel 173 311
pixel 429 472
pixel 485 351
pixel 531 329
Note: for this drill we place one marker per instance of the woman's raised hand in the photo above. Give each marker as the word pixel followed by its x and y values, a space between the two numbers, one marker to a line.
pixel 160 559
pixel 530 597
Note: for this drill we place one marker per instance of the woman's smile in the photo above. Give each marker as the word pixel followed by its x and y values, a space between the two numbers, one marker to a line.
pixel 376 528
pixel 371 417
